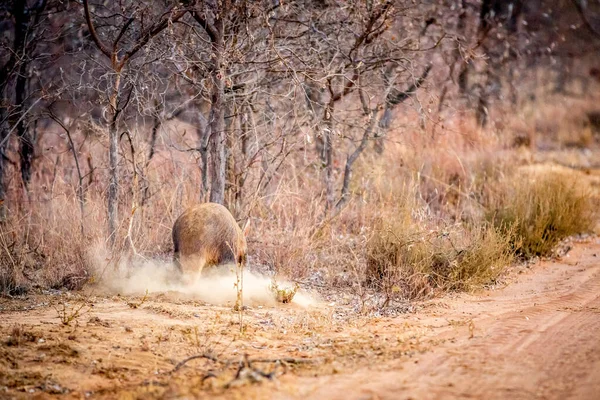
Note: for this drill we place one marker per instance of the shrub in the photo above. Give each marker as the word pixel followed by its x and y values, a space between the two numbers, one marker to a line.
pixel 42 249
pixel 397 258
pixel 403 261
pixel 541 211
pixel 480 260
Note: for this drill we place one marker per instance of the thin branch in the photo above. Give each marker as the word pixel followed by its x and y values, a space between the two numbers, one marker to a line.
pixel 210 29
pixel 88 18
pixel 19 121
pixel 155 30
pixel 122 32
pixel 197 356
pixel 348 87
pixel 395 97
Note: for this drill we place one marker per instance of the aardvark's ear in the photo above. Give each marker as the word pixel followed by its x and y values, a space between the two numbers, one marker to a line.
pixel 246 229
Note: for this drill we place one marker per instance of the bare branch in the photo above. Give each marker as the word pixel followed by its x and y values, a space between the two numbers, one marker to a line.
pixel 210 29
pixel 122 32
pixel 88 19
pixel 396 97
pixel 167 18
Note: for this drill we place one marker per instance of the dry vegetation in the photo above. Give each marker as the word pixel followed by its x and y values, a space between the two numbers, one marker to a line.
pixel 443 218
pixel 378 175
pixel 540 211
pixel 372 178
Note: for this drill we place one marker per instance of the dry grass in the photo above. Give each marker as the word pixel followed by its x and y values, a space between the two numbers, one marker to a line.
pixel 407 262
pixel 418 222
pixel 44 248
pixel 19 335
pixel 542 210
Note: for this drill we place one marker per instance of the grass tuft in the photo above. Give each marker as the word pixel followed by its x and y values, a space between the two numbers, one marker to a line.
pixel 405 262
pixel 541 211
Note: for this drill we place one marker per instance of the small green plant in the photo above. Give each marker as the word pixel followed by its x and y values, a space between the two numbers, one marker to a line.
pixel 541 212
pixel 283 295
pixel 68 313
pixel 134 305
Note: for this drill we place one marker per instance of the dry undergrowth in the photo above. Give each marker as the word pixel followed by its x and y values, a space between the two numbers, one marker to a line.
pixel 408 247
pixel 411 254
pixel 408 263
pixel 539 211
pixel 427 215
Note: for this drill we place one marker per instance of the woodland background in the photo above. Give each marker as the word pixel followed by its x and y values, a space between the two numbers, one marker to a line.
pixel 325 122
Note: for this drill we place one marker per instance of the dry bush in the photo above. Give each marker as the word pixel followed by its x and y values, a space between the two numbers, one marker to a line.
pixel 11 261
pixel 540 211
pixel 397 260
pixel 408 262
pixel 20 335
pixel 426 229
pixel 20 256
pixel 480 260
pixel 44 247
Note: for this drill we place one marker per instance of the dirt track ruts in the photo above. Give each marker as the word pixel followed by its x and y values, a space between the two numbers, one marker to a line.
pixel 538 337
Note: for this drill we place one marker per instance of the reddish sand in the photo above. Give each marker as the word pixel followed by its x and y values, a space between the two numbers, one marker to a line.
pixel 537 337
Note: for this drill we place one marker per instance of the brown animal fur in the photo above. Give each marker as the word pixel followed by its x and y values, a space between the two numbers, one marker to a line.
pixel 207 235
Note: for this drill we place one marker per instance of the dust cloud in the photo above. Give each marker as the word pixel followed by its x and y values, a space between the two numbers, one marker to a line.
pixel 136 275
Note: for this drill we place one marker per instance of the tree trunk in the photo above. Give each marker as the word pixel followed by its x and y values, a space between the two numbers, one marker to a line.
pixel 113 186
pixel 314 103
pixel 16 55
pixel 328 156
pixel 26 140
pixel 491 88
pixel 245 132
pixel 113 162
pixel 158 108
pixel 482 109
pixel 3 132
pixel 217 123
pixel 230 161
pixel 203 131
pixel 345 192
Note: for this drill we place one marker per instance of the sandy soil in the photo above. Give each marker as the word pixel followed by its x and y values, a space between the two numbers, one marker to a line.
pixel 536 337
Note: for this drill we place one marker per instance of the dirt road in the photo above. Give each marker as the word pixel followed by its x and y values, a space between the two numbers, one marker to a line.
pixel 537 337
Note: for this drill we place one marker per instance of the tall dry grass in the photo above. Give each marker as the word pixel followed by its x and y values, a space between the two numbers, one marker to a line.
pixel 44 247
pixel 418 222
pixel 539 211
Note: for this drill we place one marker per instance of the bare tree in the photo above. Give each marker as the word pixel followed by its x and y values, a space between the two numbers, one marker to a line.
pixel 222 22
pixel 335 49
pixel 29 24
pixel 120 54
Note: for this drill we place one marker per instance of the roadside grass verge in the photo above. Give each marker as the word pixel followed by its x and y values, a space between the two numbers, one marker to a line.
pixel 408 263
pixel 540 211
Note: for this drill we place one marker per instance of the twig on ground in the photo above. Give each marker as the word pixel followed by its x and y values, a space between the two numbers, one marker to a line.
pixel 197 356
pixel 288 360
pixel 246 373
